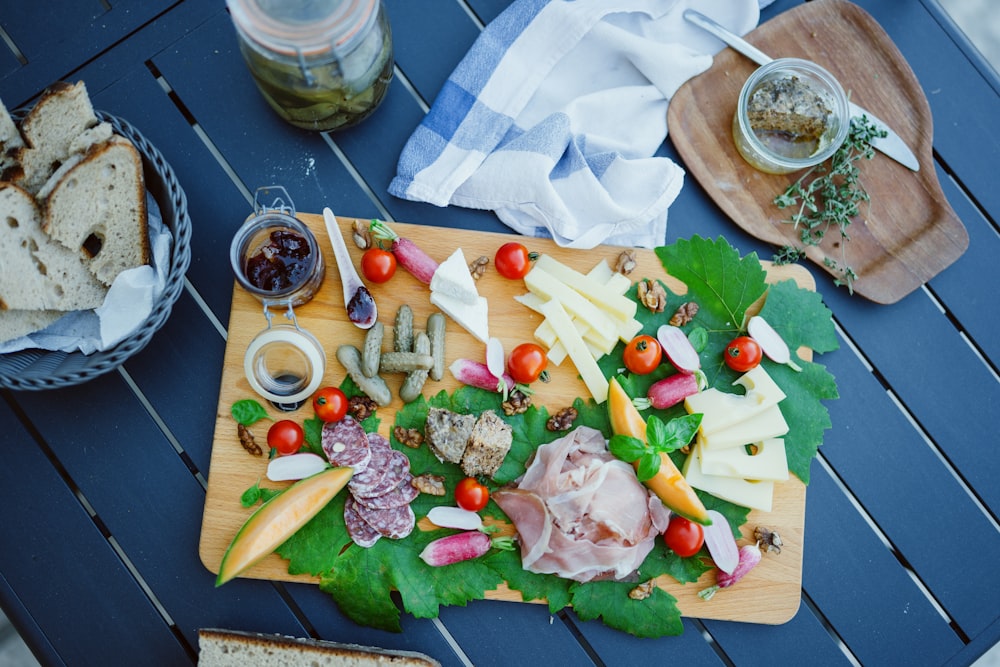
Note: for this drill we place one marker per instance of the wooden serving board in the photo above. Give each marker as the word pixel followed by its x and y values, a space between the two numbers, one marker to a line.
pixel 771 595
pixel 910 233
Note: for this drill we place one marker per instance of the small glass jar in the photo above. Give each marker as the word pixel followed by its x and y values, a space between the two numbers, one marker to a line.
pixel 322 65
pixel 285 365
pixel 792 114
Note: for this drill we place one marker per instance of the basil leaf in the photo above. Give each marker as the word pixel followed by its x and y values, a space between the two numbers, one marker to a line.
pixel 678 432
pixel 649 465
pixel 251 496
pixel 626 447
pixel 248 411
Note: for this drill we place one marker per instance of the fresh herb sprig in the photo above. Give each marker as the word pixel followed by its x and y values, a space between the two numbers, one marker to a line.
pixel 828 197
pixel 661 436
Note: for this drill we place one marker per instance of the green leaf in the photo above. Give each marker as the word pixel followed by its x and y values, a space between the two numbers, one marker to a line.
pixel 532 586
pixel 656 616
pixel 626 447
pixel 649 465
pixel 248 411
pixel 662 560
pixel 667 436
pixel 362 587
pixel 313 429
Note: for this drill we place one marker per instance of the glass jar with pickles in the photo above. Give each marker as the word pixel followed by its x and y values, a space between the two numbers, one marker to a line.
pixel 320 64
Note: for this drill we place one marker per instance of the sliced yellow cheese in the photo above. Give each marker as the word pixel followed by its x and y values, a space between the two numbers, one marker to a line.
pixel 768 463
pixel 767 424
pixel 598 293
pixel 577 350
pixel 722 410
pixel 755 495
pixel 548 287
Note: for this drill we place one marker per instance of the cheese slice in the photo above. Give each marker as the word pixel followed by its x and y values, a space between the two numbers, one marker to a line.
pixel 767 424
pixel 453 279
pixel 577 350
pixel 721 410
pixel 473 317
pixel 598 293
pixel 755 495
pixel 768 463
pixel 549 287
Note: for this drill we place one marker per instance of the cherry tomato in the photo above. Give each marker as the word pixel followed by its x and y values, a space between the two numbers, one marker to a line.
pixel 285 436
pixel 643 354
pixel 471 495
pixel 378 265
pixel 513 260
pixel 742 354
pixel 526 363
pixel 330 404
pixel 684 537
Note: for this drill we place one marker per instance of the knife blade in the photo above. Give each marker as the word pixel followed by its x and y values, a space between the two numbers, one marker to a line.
pixel 891 144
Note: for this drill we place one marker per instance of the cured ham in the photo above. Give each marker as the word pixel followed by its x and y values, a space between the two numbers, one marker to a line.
pixel 581 513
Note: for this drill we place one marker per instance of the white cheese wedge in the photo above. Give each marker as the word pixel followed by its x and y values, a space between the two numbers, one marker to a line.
pixel 755 495
pixel 769 463
pixel 453 279
pixel 577 350
pixel 768 424
pixel 473 317
pixel 721 410
pixel 598 293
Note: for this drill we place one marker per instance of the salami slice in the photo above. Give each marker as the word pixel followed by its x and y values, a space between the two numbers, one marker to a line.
pixel 346 443
pixel 362 532
pixel 402 494
pixel 366 480
pixel 395 522
pixel 395 473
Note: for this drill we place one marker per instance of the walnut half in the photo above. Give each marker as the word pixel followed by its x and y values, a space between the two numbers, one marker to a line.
pixel 652 295
pixel 562 420
pixel 410 437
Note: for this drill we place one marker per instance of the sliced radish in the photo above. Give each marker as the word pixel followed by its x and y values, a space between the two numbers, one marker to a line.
pixel 495 357
pixel 771 342
pixel 678 349
pixel 295 467
pixel 455 517
pixel 721 543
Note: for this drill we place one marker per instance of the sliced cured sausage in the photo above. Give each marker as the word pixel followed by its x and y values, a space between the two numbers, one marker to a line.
pixel 362 532
pixel 366 480
pixel 345 443
pixel 402 494
pixel 394 522
pixel 395 473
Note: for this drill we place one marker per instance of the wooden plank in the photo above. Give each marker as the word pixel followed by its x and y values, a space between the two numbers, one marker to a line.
pixel 616 649
pixel 232 470
pixel 45 542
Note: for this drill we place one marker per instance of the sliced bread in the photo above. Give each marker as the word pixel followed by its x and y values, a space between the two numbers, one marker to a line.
pixel 17 323
pixel 232 648
pixel 10 139
pixel 51 132
pixel 38 273
pixel 95 205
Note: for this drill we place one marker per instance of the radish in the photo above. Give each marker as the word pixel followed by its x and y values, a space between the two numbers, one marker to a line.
pixel 673 389
pixel 749 557
pixel 462 546
pixel 678 348
pixel 407 253
pixel 721 543
pixel 476 374
pixel 295 466
pixel 495 356
pixel 771 342
pixel 454 517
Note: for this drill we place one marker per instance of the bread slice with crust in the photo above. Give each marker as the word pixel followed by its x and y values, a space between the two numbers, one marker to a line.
pixel 38 273
pixel 17 323
pixel 10 139
pixel 95 205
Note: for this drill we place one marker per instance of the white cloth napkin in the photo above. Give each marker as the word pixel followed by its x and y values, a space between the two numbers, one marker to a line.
pixel 553 117
pixel 127 304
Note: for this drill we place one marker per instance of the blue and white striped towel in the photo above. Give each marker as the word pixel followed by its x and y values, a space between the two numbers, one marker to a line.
pixel 553 117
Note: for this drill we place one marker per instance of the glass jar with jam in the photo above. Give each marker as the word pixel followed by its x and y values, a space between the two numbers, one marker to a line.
pixel 321 64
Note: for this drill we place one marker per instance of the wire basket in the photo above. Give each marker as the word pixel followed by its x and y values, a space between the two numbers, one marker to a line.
pixel 42 369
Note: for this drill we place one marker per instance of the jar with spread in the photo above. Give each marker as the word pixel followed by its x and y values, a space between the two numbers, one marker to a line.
pixel 791 114
pixel 322 65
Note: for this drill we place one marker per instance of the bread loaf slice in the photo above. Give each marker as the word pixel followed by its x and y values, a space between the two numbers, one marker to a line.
pixel 95 205
pixel 231 648
pixel 38 273
pixel 52 132
pixel 17 323
pixel 10 140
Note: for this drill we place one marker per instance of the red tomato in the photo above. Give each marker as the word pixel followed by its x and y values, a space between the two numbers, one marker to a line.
pixel 378 265
pixel 526 363
pixel 642 354
pixel 471 495
pixel 684 537
pixel 742 354
pixel 330 404
pixel 513 260
pixel 285 436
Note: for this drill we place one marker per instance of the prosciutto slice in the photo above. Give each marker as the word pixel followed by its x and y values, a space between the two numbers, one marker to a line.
pixel 581 513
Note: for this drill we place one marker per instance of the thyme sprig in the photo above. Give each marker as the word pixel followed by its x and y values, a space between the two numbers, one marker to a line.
pixel 828 197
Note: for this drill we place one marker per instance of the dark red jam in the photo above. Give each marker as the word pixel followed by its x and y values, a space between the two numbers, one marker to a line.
pixel 281 263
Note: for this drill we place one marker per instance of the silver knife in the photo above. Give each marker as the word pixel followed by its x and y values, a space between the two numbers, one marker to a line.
pixel 890 144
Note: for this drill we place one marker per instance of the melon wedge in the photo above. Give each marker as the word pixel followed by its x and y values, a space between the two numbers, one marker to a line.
pixel 278 519
pixel 668 483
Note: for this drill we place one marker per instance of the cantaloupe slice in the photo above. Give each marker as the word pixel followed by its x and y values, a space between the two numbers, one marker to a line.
pixel 668 483
pixel 278 519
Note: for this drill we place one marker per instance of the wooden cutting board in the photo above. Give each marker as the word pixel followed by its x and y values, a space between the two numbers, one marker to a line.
pixel 910 233
pixel 771 595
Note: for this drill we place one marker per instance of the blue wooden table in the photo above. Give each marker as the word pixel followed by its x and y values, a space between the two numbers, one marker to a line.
pixel 102 485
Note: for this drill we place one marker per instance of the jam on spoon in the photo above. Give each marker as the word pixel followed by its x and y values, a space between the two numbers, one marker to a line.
pixel 360 304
